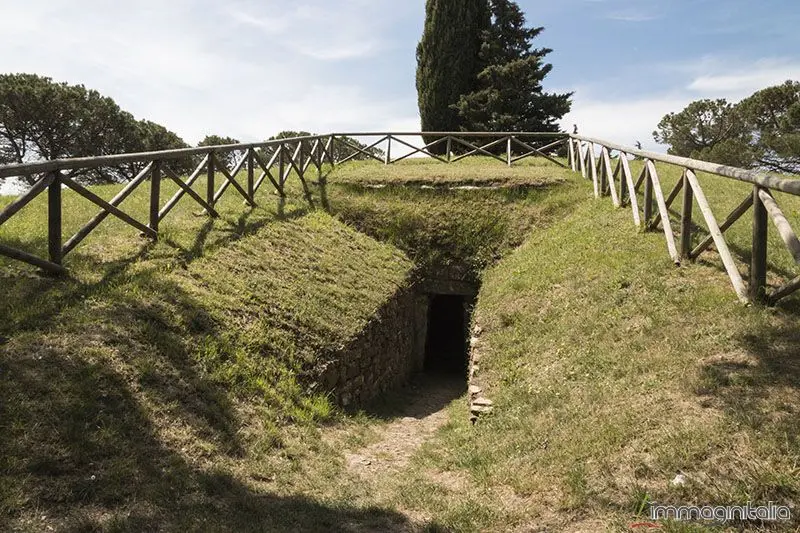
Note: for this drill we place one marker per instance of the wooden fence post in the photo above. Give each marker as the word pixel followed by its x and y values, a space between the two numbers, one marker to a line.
pixel 571 155
pixel 508 151
pixel 389 151
pixel 449 149
pixel 331 148
pixel 210 189
pixel 318 158
pixel 281 166
pixel 758 264
pixel 593 169
pixel 604 177
pixel 301 164
pixel 251 175
pixel 54 210
pixel 581 159
pixel 155 195
pixel 648 198
pixel 686 218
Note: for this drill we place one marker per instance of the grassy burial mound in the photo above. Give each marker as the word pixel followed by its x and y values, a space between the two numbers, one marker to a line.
pixel 181 384
pixel 472 172
pixel 452 220
pixel 150 388
pixel 612 372
pixel 176 386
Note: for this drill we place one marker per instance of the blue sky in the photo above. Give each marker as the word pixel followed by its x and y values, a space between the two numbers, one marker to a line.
pixel 250 68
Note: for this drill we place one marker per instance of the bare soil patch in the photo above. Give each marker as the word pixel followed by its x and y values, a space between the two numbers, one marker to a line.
pixel 416 414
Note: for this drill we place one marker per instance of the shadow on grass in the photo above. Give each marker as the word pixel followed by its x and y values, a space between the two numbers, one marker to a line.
pixel 710 257
pixel 79 445
pixel 90 460
pixel 758 387
pixel 55 295
pixel 425 394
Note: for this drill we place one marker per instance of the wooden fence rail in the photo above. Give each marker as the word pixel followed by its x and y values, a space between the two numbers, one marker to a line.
pixel 272 161
pixel 275 162
pixel 592 158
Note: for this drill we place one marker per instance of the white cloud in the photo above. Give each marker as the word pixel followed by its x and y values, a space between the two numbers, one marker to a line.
pixel 319 30
pixel 250 68
pixel 627 120
pixel 631 16
pixel 246 68
pixel 621 121
pixel 741 80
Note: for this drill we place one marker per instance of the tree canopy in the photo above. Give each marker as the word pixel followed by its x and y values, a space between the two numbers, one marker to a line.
pixel 340 150
pixel 41 119
pixel 478 70
pixel 217 140
pixel 448 60
pixel 772 117
pixel 509 95
pixel 229 158
pixel 762 131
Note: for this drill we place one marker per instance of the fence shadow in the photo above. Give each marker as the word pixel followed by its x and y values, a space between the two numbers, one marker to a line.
pixel 80 444
pixel 33 297
pixel 747 382
pixel 90 459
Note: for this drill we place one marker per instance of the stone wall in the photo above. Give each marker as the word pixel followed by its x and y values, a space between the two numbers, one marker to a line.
pixel 384 356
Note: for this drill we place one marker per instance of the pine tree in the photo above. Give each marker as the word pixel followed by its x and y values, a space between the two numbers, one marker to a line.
pixel 448 60
pixel 510 96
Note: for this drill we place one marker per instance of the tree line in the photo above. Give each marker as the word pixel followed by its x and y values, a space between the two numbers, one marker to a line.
pixel 760 132
pixel 478 70
pixel 41 119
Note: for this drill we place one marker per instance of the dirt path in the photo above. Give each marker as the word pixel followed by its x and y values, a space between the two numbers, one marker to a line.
pixel 419 412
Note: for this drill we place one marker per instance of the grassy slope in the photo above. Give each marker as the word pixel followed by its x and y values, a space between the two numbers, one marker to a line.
pixel 161 381
pixel 472 171
pixel 445 231
pixel 612 371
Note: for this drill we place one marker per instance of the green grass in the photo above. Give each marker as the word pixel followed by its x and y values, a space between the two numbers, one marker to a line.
pixel 169 386
pixel 724 195
pixel 154 385
pixel 476 171
pixel 450 232
pixel 612 371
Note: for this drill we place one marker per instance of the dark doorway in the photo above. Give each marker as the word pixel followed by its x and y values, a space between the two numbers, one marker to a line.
pixel 446 346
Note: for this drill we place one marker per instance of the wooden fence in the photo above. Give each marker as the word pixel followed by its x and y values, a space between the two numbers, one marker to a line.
pixel 272 161
pixel 450 147
pixel 592 158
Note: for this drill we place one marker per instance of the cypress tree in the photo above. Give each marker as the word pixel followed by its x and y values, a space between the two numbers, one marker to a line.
pixel 509 96
pixel 448 60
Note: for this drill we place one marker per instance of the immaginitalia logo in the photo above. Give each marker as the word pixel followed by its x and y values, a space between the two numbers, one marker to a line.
pixel 770 512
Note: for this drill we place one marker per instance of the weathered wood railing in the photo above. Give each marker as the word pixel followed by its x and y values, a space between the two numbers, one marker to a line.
pixel 451 147
pixel 274 161
pixel 592 158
